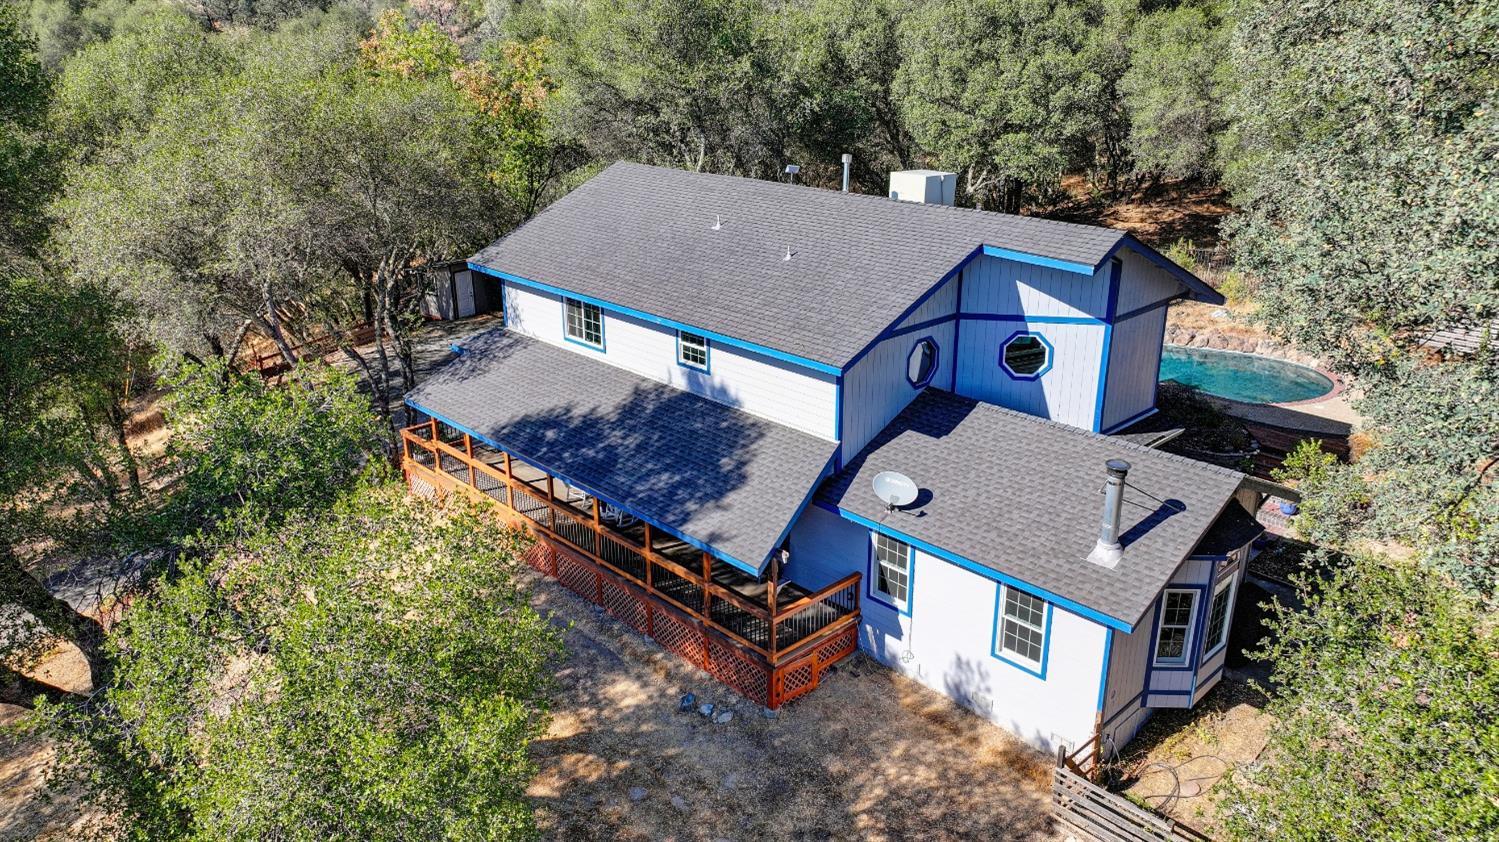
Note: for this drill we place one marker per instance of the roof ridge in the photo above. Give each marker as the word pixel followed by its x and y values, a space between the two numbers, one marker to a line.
pixel 624 163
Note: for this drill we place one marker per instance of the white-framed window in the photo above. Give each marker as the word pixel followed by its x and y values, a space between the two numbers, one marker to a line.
pixel 584 322
pixel 1219 612
pixel 1021 634
pixel 892 569
pixel 692 350
pixel 1174 632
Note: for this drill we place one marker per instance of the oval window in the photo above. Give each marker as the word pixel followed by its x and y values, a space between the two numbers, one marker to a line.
pixel 922 363
pixel 1026 356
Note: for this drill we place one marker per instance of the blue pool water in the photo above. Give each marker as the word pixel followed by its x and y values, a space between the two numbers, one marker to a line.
pixel 1242 377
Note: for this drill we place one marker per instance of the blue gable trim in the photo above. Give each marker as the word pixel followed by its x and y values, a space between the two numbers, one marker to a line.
pixel 500 445
pixel 986 572
pixel 1038 260
pixel 644 316
pixel 1202 291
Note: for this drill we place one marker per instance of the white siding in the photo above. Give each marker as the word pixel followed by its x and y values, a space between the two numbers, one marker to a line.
pixel 875 389
pixel 1124 710
pixel 1068 392
pixel 760 385
pixel 945 642
pixel 1142 282
pixel 996 285
pixel 1134 366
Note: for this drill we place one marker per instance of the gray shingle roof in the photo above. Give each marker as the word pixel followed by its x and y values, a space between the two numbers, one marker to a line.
pixel 1023 496
pixel 726 478
pixel 641 237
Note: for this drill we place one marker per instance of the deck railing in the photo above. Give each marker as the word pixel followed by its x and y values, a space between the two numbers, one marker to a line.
pixel 792 642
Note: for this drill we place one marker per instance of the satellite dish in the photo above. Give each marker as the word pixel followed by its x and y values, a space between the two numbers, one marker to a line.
pixel 895 489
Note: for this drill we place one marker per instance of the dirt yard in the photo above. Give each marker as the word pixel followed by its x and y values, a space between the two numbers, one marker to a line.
pixel 868 755
pixel 1178 759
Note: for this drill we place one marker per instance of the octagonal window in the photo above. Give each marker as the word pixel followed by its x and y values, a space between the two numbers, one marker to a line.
pixel 1026 356
pixel 922 363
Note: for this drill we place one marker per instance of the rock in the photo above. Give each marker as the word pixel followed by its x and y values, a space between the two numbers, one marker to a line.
pixel 724 717
pixel 706 709
pixel 680 803
pixel 638 793
pixel 771 713
pixel 687 702
pixel 730 781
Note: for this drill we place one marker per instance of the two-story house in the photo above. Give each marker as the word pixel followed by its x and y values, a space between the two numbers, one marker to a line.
pixel 699 376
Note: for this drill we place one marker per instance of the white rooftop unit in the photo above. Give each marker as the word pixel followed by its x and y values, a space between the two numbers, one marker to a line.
pixel 932 187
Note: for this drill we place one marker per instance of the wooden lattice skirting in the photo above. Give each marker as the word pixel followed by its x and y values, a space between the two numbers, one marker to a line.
pixel 794 673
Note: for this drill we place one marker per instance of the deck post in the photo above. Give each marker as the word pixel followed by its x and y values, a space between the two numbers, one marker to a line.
pixel 434 429
pixel 507 465
pixel 707 580
pixel 770 595
pixel 649 566
pixel 596 525
pixel 468 447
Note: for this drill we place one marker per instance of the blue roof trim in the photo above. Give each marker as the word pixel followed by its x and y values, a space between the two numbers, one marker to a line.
pixel 644 316
pixel 986 572
pixel 500 445
pixel 1038 260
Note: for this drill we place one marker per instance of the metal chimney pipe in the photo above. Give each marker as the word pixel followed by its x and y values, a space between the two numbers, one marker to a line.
pixel 1108 550
pixel 847 159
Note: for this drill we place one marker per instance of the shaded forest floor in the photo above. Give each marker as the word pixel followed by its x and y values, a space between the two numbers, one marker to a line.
pixel 1160 215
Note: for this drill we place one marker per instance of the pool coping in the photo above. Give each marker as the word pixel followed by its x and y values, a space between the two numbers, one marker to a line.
pixel 1338 386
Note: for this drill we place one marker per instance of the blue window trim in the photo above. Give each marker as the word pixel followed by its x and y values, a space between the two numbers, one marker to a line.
pixel 706 367
pixel 994 650
pixel 869 574
pixel 991 574
pixel 573 339
pixel 1194 628
pixel 1228 618
pixel 504 304
pixel 499 444
pixel 720 338
pixel 936 361
pixel 1051 354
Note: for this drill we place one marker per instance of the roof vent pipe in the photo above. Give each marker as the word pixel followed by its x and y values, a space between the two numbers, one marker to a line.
pixel 1108 550
pixel 847 159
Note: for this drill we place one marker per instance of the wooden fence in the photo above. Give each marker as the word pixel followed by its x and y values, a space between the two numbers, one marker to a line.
pixel 1105 816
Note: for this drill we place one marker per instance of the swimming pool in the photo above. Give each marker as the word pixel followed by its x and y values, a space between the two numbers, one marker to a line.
pixel 1242 377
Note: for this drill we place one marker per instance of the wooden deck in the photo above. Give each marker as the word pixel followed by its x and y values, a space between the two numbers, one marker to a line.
pixel 770 641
